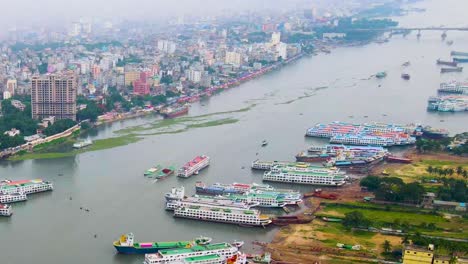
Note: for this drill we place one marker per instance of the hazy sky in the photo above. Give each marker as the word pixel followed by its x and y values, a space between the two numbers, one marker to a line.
pixel 26 12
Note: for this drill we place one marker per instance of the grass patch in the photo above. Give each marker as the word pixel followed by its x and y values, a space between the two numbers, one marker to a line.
pixel 418 170
pixel 97 145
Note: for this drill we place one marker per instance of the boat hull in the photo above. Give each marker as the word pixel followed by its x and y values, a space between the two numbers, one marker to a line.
pixel 133 250
pixel 223 221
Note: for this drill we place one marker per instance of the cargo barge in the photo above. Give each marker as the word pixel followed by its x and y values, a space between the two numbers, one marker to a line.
pixel 127 245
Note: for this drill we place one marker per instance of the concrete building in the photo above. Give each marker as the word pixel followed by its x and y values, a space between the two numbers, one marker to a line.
pixel 54 95
pixel 141 86
pixel 418 255
pixel 275 38
pixel 233 58
pixel 130 77
pixel 11 86
pixel 282 50
pixel 194 76
pixel 166 46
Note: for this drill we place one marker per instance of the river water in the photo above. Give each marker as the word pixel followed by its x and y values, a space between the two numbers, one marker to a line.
pixel 51 228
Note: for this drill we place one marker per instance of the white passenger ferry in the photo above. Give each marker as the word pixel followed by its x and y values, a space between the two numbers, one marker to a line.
pixel 194 166
pixel 5 210
pixel 213 201
pixel 313 176
pixel 223 214
pixel 176 194
pixel 12 197
pixel 25 186
pixel 200 254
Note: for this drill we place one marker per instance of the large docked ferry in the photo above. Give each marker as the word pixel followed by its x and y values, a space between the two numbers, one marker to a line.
pixel 5 210
pixel 212 201
pixel 12 197
pixel 375 134
pixel 313 176
pixel 263 199
pixel 266 165
pixel 176 194
pixel 127 245
pixel 223 214
pixel 25 186
pixel 450 103
pixel 454 87
pixel 220 253
pixel 194 166
pixel 349 155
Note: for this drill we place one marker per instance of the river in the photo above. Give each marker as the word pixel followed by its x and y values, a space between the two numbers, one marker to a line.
pixel 278 107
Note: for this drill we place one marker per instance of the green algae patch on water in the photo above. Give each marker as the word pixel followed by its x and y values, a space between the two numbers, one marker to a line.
pixel 99 144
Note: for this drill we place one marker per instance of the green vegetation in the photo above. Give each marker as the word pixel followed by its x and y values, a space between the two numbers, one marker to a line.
pixel 91 112
pixel 428 145
pixel 129 60
pixel 408 219
pixel 453 190
pixel 59 126
pixel 349 26
pixel 393 189
pixel 97 145
pixel 15 118
pixel 356 219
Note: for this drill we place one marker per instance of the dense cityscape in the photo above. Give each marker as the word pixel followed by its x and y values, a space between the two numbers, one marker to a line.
pixel 391 191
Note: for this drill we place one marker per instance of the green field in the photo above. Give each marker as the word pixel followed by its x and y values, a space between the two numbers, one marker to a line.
pixel 455 227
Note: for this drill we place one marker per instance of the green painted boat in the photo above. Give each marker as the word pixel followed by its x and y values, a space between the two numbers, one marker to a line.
pixel 165 172
pixel 152 171
pixel 381 75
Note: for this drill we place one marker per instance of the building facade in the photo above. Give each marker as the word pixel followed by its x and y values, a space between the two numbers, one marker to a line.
pixel 54 95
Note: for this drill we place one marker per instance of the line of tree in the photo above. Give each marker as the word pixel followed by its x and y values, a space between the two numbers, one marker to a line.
pixel 58 127
pixel 460 171
pixel 393 189
pixel 356 219
pixel 454 247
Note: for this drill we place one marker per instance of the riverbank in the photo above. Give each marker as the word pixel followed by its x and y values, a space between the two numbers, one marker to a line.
pixel 317 241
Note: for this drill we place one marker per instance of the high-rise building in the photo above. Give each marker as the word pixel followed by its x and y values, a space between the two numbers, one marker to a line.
pixel 194 76
pixel 233 58
pixel 11 86
pixel 275 38
pixel 142 86
pixel 54 95
pixel 75 29
pixel 282 49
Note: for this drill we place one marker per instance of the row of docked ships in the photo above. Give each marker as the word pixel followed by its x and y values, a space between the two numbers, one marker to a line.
pixel 198 251
pixel 449 103
pixel 17 191
pixel 374 134
pixel 343 155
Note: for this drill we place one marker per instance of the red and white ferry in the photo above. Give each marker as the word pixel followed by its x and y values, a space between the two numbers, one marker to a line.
pixel 194 166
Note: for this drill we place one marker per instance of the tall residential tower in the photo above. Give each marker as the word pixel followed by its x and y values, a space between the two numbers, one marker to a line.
pixel 54 95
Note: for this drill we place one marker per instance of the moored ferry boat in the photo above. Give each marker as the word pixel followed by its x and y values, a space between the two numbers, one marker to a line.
pixel 210 201
pixel 194 166
pixel 169 112
pixel 5 210
pixel 266 165
pixel 175 194
pixel 216 189
pixel 314 176
pixel 223 214
pixel 220 251
pixel 305 156
pixel 12 197
pixel 127 245
pixel 263 199
pixel 25 186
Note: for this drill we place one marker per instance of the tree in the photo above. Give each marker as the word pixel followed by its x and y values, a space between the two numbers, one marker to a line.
pixel 91 112
pixel 430 169
pixel 387 247
pixel 459 170
pixel 405 239
pixel 59 126
pixel 356 219
pixel 372 183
